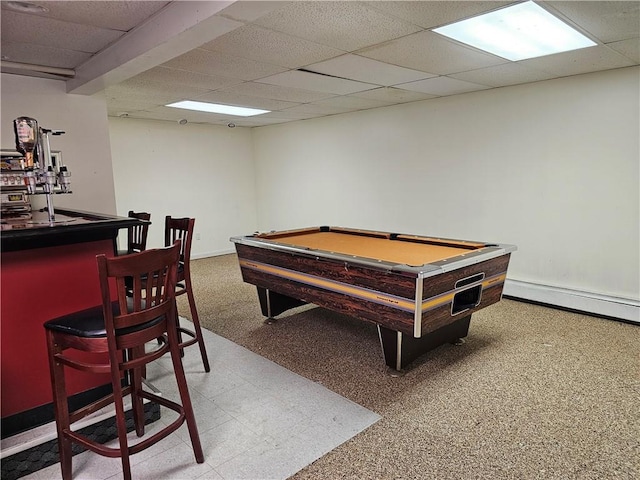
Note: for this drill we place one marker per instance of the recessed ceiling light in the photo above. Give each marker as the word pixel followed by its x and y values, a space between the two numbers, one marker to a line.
pixel 518 32
pixel 26 7
pixel 217 108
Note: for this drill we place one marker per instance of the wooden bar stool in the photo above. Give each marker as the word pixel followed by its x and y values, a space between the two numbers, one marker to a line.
pixel 137 234
pixel 182 229
pixel 120 329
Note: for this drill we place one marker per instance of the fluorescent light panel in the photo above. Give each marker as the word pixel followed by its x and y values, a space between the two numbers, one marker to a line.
pixel 217 108
pixel 518 32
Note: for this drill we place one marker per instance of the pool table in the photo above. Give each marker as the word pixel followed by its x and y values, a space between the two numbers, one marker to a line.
pixel 420 291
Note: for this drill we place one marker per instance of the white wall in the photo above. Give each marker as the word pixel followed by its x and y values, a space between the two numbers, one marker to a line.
pixel 199 171
pixel 85 145
pixel 552 167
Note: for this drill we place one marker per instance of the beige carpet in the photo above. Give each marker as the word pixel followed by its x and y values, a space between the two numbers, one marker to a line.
pixel 533 393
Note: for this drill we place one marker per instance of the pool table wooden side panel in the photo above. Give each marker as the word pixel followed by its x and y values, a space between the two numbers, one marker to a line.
pixel 382 281
pixel 438 289
pixel 444 286
pixel 394 283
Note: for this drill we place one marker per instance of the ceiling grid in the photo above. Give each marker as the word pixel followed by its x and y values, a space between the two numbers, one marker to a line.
pixel 300 59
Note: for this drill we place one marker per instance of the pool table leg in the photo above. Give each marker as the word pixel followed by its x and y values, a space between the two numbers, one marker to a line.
pixel 400 349
pixel 274 303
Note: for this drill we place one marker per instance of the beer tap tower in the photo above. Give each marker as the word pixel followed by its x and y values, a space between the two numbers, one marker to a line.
pixel 42 176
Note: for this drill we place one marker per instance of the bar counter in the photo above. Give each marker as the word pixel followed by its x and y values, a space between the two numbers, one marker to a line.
pixel 48 270
pixel 71 226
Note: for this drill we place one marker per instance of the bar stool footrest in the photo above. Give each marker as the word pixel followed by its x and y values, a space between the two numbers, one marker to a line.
pixel 192 341
pixel 111 452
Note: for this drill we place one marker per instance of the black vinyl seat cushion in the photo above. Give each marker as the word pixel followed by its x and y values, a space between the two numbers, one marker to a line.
pixel 89 323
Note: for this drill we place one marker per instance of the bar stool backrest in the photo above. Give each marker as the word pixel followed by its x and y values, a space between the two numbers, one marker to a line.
pixel 145 287
pixel 137 234
pixel 180 229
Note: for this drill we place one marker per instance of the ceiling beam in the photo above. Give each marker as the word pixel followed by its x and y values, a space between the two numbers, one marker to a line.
pixel 174 30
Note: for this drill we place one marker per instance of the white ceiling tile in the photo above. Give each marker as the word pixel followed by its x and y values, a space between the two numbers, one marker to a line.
pixel 42 55
pixel 434 14
pixel 319 110
pixel 114 15
pixel 35 30
pixel 276 92
pixel 590 59
pixel 250 10
pixel 174 76
pixel 216 63
pixel 259 121
pixel 607 21
pixel 629 48
pixel 137 95
pixel 175 114
pixel 316 82
pixel 431 53
pixel 130 103
pixel 393 95
pixel 346 25
pixel 226 98
pixel 503 75
pixel 442 86
pixel 144 86
pixel 351 102
pixel 263 45
pixel 289 115
pixel 364 69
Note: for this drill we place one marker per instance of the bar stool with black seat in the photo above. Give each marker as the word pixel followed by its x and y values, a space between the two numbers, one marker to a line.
pixel 117 332
pixel 182 228
pixel 137 234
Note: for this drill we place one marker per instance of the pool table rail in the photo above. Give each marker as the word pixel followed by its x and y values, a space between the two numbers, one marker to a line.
pixel 471 257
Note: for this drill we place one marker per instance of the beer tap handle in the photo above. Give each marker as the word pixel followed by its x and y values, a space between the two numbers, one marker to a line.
pixel 52 132
pixel 50 180
pixel 64 179
pixel 44 140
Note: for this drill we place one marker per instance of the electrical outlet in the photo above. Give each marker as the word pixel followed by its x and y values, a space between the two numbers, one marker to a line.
pixel 197 236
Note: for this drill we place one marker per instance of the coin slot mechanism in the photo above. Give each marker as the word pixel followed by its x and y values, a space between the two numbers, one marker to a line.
pixel 468 298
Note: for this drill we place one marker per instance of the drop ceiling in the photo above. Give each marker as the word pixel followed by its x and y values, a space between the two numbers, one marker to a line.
pixel 299 59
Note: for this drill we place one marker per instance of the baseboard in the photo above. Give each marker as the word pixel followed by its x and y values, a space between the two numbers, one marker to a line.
pixel 602 305
pixel 215 253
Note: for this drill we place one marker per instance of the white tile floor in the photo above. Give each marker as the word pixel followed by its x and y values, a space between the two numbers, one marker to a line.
pixel 256 420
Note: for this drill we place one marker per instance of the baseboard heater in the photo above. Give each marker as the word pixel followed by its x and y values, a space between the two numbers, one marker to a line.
pixel 625 309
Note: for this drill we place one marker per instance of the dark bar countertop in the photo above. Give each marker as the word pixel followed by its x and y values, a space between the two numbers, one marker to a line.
pixel 70 226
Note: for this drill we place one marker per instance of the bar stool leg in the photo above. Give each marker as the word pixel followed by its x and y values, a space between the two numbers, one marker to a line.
pixel 196 325
pixel 136 387
pixel 121 425
pixel 187 406
pixel 60 407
